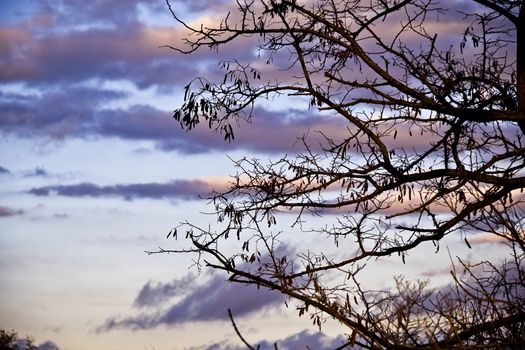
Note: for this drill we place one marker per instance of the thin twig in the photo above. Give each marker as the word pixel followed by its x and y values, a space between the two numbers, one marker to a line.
pixel 239 333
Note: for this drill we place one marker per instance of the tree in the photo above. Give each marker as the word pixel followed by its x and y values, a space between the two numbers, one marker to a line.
pixel 385 68
pixel 9 340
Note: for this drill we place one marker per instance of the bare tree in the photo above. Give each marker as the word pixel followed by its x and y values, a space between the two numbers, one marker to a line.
pixel 388 69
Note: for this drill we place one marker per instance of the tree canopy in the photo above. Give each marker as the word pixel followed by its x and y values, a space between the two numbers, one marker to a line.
pixel 432 94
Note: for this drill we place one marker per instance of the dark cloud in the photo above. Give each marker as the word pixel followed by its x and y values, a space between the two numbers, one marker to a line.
pixel 6 211
pixel 206 302
pixel 184 189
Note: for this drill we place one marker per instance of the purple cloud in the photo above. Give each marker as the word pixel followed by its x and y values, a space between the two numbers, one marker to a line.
pixel 4 171
pixel 78 112
pixel 199 6
pixel 206 302
pixel 303 340
pixel 184 189
pixel 307 340
pixel 268 131
pixel 154 294
pixel 54 114
pixel 48 345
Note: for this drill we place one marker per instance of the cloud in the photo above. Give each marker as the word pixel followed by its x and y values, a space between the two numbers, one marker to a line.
pixel 118 12
pixel 308 340
pixel 60 216
pixel 184 189
pixel 268 131
pixel 303 340
pixel 154 294
pixel 109 41
pixel 35 52
pixel 48 345
pixel 6 211
pixel 199 5
pixel 79 112
pixel 4 171
pixel 112 42
pixel 37 172
pixel 42 13
pixel 488 238
pixel 55 114
pixel 205 302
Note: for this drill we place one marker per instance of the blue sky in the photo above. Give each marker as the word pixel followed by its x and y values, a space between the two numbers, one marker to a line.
pixel 94 171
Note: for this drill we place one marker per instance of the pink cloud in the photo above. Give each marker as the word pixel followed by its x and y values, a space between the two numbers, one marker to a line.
pixel 486 238
pixel 6 211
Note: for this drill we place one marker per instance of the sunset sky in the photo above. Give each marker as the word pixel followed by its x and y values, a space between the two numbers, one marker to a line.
pixel 95 172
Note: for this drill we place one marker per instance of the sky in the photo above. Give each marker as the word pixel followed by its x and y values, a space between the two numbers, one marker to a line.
pixel 95 172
